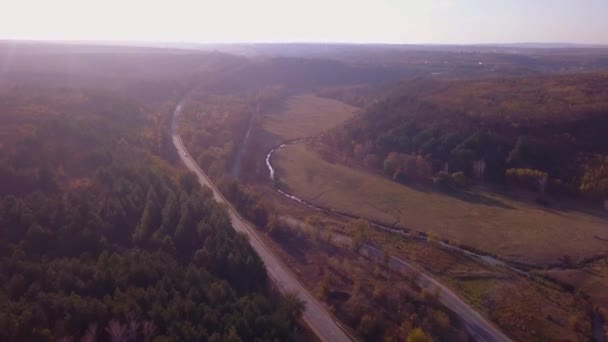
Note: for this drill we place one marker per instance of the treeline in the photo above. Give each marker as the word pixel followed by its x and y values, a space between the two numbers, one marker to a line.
pixel 305 74
pixel 99 240
pixel 213 126
pixel 551 125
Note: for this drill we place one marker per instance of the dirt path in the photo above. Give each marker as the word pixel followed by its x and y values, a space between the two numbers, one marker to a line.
pixel 236 165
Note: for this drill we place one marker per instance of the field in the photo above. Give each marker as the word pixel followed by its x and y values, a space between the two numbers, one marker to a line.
pixel 591 279
pixel 510 229
pixel 307 115
pixel 540 309
pixel 525 307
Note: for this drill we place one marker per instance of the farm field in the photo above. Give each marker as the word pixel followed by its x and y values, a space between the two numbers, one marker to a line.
pixel 307 115
pixel 512 230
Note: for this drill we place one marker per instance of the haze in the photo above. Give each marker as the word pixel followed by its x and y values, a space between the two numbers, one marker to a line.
pixel 385 21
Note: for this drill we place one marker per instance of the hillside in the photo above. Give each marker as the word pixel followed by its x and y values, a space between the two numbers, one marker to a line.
pixel 551 124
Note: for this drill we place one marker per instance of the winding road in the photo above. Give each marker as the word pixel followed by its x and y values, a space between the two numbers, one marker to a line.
pixel 315 315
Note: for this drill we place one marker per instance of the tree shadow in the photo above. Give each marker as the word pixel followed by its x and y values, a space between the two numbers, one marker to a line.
pixel 556 204
pixel 598 213
pixel 591 272
pixel 553 211
pixel 418 187
pixel 600 238
pixel 477 199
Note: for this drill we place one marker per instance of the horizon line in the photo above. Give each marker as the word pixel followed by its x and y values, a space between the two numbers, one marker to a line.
pixel 293 42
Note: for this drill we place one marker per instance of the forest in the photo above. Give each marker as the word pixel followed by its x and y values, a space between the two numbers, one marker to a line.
pixel 103 238
pixel 522 130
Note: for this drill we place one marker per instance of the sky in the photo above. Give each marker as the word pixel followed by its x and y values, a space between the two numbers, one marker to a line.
pixel 353 21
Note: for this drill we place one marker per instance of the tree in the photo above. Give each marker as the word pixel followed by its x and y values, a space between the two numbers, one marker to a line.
pixel 358 151
pixel 372 161
pixel 391 162
pixel 188 181
pixel 37 238
pixel 528 178
pixel 594 181
pixel 423 168
pixel 322 289
pixel 292 306
pixel 259 214
pixel 150 219
pixel 360 230
pixel 370 328
pixel 459 179
pixel 316 226
pixel 418 335
pixel 441 320
pixel 169 215
pixel 405 167
pixel 116 331
pixel 148 330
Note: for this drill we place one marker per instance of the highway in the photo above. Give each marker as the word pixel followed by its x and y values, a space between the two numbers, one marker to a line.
pixel 315 315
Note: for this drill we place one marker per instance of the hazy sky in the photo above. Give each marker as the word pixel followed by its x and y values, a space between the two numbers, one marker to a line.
pixel 388 21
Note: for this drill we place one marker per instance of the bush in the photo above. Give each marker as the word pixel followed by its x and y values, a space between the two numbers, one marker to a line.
pixel 418 335
pixel 530 179
pixel 459 179
pixel 443 181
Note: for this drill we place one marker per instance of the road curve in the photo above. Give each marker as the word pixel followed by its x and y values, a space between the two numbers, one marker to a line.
pixel 479 327
pixel 315 314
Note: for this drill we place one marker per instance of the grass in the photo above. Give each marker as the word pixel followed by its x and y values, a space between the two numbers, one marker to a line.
pixel 525 308
pixel 307 115
pixel 592 279
pixel 529 311
pixel 355 285
pixel 513 230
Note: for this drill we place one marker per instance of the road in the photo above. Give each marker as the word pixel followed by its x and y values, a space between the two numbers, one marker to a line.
pixel 479 327
pixel 315 315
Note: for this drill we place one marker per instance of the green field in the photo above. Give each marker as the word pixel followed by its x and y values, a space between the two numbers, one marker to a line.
pixel 307 115
pixel 513 230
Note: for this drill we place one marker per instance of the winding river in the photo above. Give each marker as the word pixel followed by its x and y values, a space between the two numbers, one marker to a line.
pixel 488 259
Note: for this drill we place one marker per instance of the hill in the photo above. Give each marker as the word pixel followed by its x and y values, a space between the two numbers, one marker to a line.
pixel 551 124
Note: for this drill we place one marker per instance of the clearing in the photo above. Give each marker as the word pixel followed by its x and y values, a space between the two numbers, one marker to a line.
pixel 307 115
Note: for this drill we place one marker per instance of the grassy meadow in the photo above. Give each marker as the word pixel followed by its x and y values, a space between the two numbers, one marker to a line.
pixel 307 115
pixel 591 279
pixel 510 229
